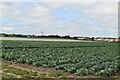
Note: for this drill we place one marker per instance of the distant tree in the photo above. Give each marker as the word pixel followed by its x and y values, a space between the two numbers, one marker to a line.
pixel 93 38
pixel 33 35
pixel 67 37
pixel 74 37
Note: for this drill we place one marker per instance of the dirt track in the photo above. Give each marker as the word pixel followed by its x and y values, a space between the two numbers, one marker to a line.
pixel 30 39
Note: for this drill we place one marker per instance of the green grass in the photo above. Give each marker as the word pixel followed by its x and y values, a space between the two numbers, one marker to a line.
pixel 10 71
pixel 16 72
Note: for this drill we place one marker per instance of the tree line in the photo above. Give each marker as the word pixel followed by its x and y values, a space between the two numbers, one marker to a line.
pixel 35 36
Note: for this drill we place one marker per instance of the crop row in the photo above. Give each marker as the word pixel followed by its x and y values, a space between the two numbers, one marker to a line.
pixel 90 59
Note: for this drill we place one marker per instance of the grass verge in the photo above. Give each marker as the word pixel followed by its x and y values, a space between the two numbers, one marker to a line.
pixel 9 71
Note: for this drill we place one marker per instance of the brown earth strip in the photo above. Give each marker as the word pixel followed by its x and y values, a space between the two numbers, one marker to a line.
pixel 38 69
pixel 49 70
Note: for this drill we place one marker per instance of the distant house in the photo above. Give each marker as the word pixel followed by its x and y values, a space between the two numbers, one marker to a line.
pixel 117 39
pixel 80 38
pixel 99 39
pixel 107 39
pixel 83 38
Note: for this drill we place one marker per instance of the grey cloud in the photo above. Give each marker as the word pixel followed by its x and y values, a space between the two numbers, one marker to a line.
pixel 42 16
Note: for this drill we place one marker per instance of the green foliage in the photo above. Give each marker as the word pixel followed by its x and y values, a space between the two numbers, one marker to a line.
pixel 17 72
pixel 10 71
pixel 35 36
pixel 82 58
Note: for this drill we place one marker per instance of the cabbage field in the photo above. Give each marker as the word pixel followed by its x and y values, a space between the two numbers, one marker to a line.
pixel 81 58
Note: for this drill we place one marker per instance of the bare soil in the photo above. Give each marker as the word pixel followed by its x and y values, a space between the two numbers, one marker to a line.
pixel 48 70
pixel 38 69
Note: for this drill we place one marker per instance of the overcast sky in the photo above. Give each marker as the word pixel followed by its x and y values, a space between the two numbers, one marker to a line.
pixel 89 18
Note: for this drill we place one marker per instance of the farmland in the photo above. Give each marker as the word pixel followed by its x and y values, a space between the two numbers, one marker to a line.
pixel 80 58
